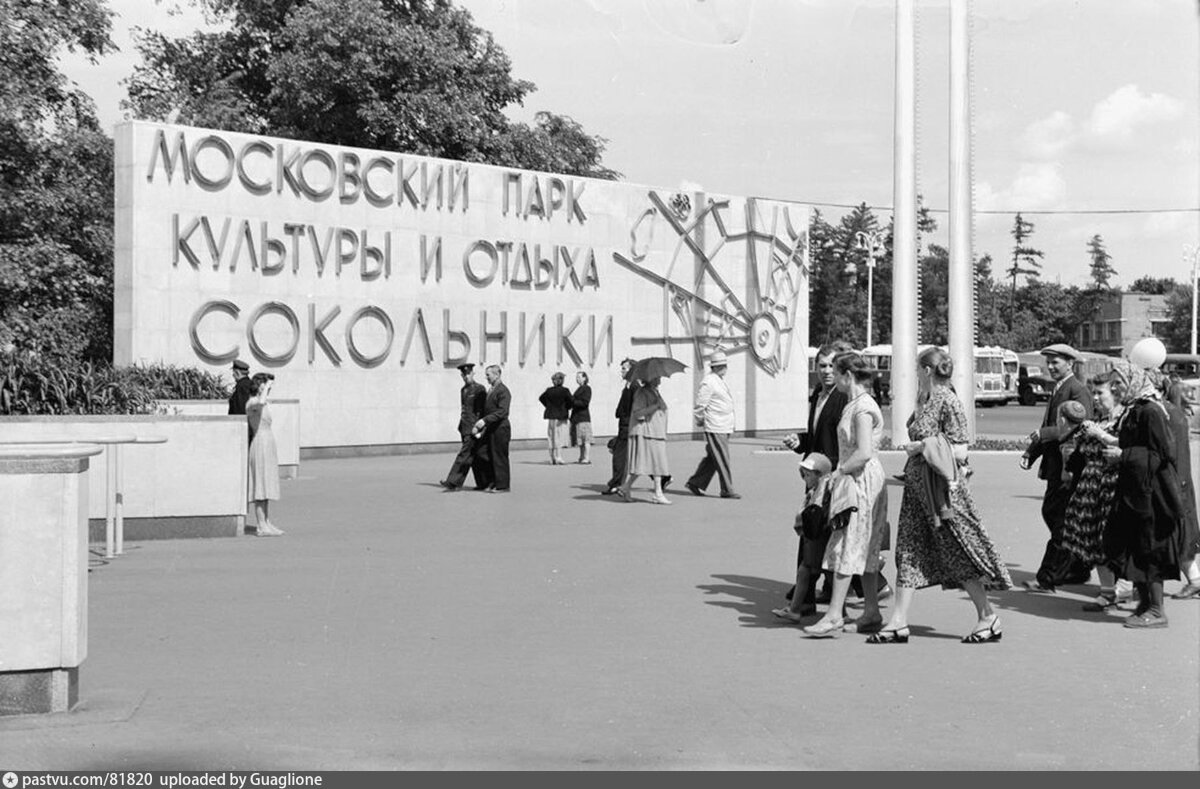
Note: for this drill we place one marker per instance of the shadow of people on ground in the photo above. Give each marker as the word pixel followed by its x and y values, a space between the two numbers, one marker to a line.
pixel 756 598
pixel 1064 604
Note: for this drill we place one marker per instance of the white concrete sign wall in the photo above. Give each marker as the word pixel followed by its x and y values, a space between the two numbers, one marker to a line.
pixel 362 278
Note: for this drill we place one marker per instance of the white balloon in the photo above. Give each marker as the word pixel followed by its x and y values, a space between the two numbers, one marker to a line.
pixel 1148 353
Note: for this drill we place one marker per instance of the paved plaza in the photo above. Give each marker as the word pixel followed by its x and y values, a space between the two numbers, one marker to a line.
pixel 398 626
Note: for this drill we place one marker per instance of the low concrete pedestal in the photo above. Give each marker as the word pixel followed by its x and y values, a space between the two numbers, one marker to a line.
pixel 43 585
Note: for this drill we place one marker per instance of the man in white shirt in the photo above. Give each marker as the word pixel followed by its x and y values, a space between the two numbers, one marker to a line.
pixel 714 412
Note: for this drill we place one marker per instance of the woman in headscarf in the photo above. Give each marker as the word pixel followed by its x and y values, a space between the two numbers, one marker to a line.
pixel 1140 537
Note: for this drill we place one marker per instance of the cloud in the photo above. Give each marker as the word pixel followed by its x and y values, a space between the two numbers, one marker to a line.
pixel 1116 118
pixel 1035 185
pixel 1176 225
pixel 1049 137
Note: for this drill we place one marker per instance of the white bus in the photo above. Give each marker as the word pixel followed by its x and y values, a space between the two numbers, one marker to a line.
pixel 995 373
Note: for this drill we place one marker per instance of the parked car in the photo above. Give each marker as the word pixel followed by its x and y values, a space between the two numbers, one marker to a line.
pixel 1033 380
pixel 1187 367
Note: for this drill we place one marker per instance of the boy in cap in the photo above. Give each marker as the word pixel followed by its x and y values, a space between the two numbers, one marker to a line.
pixel 812 523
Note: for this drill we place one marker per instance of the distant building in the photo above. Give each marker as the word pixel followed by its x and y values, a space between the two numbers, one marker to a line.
pixel 1122 320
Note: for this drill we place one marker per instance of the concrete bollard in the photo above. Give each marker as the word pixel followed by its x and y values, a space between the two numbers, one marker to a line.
pixel 43 587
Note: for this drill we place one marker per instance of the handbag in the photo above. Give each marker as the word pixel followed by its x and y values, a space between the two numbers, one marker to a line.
pixel 812 523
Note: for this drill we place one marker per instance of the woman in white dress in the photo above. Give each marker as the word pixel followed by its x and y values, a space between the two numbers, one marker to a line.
pixel 856 548
pixel 263 483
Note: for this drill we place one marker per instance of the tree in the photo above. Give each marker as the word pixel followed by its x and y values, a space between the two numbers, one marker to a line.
pixel 934 294
pixel 1025 260
pixel 1102 270
pixel 1155 286
pixel 55 185
pixel 409 75
pixel 1178 338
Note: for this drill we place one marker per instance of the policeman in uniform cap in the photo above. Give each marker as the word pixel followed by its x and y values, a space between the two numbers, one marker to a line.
pixel 470 454
pixel 241 388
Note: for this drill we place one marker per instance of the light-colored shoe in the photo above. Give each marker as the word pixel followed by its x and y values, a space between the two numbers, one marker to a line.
pixel 825 628
pixel 661 500
pixel 269 530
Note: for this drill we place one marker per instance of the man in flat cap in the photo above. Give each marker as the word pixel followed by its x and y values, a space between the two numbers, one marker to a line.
pixel 714 412
pixel 472 454
pixel 1058 566
pixel 241 388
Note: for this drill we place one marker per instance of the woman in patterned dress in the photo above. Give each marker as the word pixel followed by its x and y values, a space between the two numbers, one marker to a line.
pixel 856 548
pixel 1095 490
pixel 944 544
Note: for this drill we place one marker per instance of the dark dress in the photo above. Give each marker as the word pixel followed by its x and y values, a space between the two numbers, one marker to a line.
pixel 1091 500
pixel 959 549
pixel 1139 538
pixel 1188 534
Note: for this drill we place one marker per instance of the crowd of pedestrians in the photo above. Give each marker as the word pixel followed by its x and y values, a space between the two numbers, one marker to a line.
pixel 1112 452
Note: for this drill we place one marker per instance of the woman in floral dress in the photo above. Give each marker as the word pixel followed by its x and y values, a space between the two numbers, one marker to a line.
pixel 1094 492
pixel 943 543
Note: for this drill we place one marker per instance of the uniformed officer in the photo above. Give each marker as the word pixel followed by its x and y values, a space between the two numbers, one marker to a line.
pixel 472 454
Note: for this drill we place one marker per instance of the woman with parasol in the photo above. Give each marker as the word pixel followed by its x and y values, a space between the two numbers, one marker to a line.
pixel 648 426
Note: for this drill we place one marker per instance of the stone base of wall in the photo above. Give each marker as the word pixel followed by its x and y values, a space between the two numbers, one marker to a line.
pixel 172 528
pixel 38 692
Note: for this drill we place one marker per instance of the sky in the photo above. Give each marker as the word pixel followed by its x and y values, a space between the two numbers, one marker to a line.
pixel 1078 105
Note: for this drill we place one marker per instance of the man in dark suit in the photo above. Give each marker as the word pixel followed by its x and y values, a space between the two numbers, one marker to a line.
pixel 241 388
pixel 493 427
pixel 471 455
pixel 620 443
pixel 1058 566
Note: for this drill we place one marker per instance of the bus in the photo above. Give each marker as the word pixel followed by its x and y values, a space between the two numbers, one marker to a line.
pixel 1012 374
pixel 996 373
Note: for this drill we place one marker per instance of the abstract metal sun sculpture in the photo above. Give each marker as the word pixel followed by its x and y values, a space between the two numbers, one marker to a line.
pixel 705 305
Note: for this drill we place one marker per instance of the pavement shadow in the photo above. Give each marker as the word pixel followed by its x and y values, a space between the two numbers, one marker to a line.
pixel 593 492
pixel 755 597
pixel 1065 604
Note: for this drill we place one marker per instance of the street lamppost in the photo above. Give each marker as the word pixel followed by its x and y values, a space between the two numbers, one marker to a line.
pixel 872 242
pixel 1193 252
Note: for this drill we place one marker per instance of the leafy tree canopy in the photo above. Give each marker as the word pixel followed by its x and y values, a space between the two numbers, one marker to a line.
pixel 410 75
pixel 1155 286
pixel 55 184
